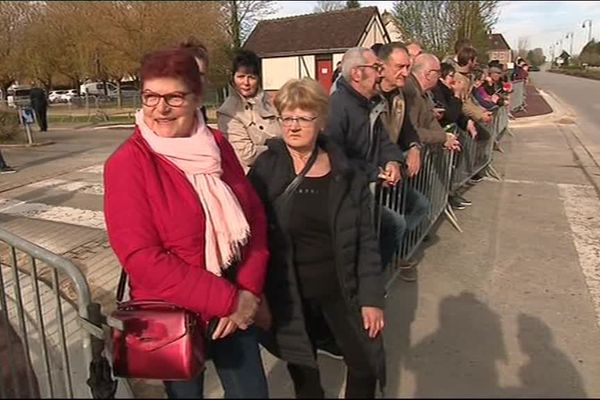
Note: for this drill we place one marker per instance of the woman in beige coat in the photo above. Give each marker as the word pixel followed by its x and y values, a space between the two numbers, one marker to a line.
pixel 247 117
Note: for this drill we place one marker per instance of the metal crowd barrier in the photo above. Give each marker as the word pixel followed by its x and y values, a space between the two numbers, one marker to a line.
pixel 517 97
pixel 442 173
pixel 52 341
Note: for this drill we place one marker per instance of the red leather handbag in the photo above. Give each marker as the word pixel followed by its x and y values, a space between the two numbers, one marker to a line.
pixel 156 340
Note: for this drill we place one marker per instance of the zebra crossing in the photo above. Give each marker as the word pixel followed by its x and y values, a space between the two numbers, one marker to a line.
pixel 74 198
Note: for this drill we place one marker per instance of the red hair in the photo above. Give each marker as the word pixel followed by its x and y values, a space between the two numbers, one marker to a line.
pixel 172 63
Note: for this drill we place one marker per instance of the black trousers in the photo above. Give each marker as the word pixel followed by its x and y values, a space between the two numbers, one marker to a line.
pixel 2 162
pixel 40 115
pixel 360 381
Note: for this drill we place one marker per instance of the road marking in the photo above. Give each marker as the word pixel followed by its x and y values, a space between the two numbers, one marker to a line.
pixel 94 169
pixel 583 212
pixel 527 182
pixel 70 186
pixel 67 215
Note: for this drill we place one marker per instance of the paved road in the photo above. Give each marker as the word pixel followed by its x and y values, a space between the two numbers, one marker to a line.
pixel 580 94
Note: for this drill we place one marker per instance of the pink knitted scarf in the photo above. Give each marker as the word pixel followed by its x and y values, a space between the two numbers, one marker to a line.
pixel 199 157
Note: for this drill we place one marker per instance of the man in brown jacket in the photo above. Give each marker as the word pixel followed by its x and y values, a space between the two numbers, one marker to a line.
pixel 466 60
pixel 425 73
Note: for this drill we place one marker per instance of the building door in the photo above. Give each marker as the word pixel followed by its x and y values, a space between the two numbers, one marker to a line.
pixel 325 72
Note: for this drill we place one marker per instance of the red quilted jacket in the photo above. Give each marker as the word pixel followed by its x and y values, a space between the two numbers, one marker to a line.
pixel 156 223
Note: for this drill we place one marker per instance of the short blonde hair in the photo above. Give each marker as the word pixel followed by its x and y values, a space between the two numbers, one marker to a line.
pixel 305 94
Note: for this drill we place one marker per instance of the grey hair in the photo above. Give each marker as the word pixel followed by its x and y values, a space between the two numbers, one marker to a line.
pixel 421 62
pixel 352 58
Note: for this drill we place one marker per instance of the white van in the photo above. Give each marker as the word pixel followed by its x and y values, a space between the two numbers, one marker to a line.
pixel 18 95
pixel 97 89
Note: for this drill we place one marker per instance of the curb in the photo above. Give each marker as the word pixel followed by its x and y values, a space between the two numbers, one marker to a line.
pixel 130 126
pixel 26 145
pixel 116 126
pixel 558 112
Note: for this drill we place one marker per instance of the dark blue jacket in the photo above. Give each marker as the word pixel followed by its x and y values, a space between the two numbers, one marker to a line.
pixel 355 123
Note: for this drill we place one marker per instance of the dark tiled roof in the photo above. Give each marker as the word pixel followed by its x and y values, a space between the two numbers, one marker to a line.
pixel 497 42
pixel 311 33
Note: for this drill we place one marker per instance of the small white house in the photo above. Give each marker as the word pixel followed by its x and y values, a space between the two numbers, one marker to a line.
pixel 311 45
pixel 391 27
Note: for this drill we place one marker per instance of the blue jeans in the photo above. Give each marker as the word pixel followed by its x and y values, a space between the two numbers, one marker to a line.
pixel 417 208
pixel 393 226
pixel 239 366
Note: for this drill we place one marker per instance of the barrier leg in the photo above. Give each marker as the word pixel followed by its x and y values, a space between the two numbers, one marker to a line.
pixel 449 212
pixel 491 171
pixel 497 147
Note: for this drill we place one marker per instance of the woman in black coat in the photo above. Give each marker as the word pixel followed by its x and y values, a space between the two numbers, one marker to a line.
pixel 324 254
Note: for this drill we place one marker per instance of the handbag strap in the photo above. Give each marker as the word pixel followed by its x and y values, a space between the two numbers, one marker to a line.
pixel 121 286
pixel 289 190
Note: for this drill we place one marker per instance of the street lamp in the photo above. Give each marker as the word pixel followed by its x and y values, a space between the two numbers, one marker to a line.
pixel 589 22
pixel 570 35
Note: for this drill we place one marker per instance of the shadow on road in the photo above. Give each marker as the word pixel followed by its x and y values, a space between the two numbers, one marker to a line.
pixel 548 373
pixel 15 367
pixel 397 334
pixel 460 358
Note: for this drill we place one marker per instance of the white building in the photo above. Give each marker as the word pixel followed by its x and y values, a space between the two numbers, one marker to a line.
pixel 311 45
pixel 390 25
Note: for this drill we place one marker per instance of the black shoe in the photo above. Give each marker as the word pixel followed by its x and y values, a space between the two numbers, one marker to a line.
pixel 463 201
pixel 329 348
pixel 455 203
pixel 7 170
pixel 476 179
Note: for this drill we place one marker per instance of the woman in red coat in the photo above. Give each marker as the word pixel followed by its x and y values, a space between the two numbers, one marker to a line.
pixel 185 223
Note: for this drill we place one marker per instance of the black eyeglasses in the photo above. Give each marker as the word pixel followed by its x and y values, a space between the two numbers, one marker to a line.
pixel 176 99
pixel 376 66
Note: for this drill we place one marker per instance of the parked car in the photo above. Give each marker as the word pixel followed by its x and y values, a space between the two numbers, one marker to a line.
pixel 55 96
pixel 69 95
pixel 98 89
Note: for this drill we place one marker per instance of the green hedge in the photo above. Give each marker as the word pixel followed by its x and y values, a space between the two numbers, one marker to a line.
pixel 10 130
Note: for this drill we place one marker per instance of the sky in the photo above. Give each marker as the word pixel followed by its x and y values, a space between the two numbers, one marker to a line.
pixel 542 23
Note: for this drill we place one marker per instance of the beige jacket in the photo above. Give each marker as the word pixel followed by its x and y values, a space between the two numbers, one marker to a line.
pixel 464 82
pixel 247 124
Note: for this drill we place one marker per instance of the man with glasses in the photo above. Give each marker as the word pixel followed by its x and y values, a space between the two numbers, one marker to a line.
pixel 354 121
pixel 424 76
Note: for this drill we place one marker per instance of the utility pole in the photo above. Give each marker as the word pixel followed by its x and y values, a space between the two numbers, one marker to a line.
pixel 567 36
pixel 561 46
pixel 589 23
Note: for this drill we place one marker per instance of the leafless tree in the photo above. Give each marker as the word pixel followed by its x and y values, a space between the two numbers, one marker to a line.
pixel 327 6
pixel 240 17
